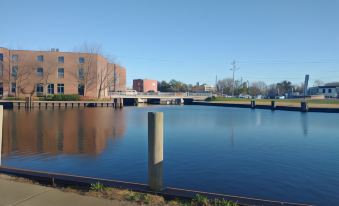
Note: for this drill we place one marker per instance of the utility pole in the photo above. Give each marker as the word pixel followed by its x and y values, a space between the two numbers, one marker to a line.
pixel 233 69
pixel 248 87
pixel 216 83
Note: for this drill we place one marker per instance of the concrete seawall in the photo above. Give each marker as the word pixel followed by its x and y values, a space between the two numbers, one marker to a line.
pixel 268 107
pixel 168 192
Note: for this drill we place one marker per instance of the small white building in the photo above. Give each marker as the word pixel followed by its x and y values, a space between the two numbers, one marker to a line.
pixel 328 91
pixel 203 88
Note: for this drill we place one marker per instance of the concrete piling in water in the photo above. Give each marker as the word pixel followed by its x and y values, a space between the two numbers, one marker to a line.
pixel 115 100
pixel 273 105
pixel 303 106
pixel 121 102
pixel 252 104
pixel 1 124
pixel 26 102
pixel 155 150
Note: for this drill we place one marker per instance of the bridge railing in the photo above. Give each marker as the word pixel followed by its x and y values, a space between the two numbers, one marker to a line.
pixel 161 94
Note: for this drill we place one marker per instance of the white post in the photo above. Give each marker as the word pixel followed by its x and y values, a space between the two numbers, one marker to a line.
pixel 155 150
pixel 1 123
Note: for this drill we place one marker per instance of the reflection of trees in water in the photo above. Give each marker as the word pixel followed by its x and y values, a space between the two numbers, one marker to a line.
pixel 69 131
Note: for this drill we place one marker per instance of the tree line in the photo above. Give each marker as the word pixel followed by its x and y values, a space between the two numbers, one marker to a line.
pixel 225 86
pixel 174 86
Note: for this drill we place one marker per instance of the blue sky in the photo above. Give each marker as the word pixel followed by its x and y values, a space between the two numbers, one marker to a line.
pixel 188 40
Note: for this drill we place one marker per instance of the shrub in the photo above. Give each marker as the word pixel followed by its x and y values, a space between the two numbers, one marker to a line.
pixel 14 98
pixel 98 187
pixel 200 200
pixel 223 202
pixel 137 197
pixel 64 97
pixel 83 98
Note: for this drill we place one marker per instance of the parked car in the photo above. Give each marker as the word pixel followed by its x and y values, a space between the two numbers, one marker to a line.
pixel 244 96
pixel 131 92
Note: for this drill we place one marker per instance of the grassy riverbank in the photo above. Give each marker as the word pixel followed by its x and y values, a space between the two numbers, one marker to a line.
pixel 316 103
pixel 126 196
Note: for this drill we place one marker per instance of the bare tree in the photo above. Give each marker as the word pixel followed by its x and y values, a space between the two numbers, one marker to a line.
pixel 225 85
pixel 49 67
pixel 21 71
pixel 87 68
pixel 105 77
pixel 4 72
pixel 318 83
pixel 257 88
pixel 272 90
pixel 299 87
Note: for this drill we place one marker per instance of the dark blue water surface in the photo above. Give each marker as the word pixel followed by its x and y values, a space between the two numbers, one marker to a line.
pixel 280 155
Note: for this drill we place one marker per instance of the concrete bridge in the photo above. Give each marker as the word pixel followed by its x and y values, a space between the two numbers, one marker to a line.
pixel 163 96
pixel 160 98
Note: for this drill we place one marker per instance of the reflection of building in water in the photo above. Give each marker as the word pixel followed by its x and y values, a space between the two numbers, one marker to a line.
pixel 69 131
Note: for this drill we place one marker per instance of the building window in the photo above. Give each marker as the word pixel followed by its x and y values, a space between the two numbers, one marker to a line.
pixel 40 58
pixel 39 89
pixel 61 59
pixel 60 88
pixel 81 60
pixel 81 74
pixel 1 89
pixel 1 57
pixel 324 91
pixel 15 57
pixel 329 90
pixel 61 72
pixel 40 72
pixel 81 89
pixel 50 89
pixel 14 71
pixel 13 87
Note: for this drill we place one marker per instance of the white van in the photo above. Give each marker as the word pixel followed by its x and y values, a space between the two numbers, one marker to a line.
pixel 131 92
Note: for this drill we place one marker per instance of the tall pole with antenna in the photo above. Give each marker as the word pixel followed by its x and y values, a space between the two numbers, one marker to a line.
pixel 216 83
pixel 233 69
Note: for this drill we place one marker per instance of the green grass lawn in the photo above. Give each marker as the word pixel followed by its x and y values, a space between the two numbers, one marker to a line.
pixel 268 101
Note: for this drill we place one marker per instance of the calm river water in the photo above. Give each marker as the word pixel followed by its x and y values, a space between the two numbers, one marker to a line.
pixel 278 155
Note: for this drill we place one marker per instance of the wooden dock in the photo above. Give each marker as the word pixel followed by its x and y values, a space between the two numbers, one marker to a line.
pixel 115 103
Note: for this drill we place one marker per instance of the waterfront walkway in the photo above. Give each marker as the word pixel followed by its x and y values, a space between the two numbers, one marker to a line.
pixel 27 194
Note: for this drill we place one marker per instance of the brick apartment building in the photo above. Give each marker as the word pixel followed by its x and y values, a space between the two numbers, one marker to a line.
pixel 145 85
pixel 38 73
